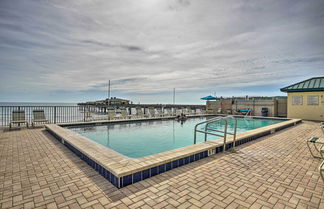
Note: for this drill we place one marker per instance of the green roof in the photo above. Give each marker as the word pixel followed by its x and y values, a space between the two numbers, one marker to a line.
pixel 312 84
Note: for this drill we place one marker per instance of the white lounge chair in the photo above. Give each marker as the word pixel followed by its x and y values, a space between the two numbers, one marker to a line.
pixel 203 111
pixel 178 111
pixel 87 116
pixel 152 112
pixel 159 112
pixel 139 113
pixel 168 112
pixel 111 114
pixel 146 113
pixel 18 116
pixel 124 114
pixel 188 111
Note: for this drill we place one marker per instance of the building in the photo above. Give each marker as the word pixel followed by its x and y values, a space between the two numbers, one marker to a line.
pixel 116 101
pixel 276 106
pixel 306 99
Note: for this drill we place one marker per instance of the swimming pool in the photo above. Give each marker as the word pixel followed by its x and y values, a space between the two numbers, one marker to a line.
pixel 143 138
pixel 124 140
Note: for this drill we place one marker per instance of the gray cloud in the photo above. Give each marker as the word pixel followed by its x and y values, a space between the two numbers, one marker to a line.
pixel 150 47
pixel 127 47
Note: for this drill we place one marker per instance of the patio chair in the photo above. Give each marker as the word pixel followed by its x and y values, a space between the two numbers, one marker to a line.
pixel 18 116
pixel 146 113
pixel 39 117
pixel 203 111
pixel 188 111
pixel 124 114
pixel 152 112
pixel 178 111
pixel 87 116
pixel 139 113
pixel 111 115
pixel 168 112
pixel 321 170
pixel 159 112
pixel 318 143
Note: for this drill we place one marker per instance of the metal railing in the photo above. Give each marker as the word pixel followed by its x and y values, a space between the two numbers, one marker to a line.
pixel 54 114
pixel 80 113
pixel 211 131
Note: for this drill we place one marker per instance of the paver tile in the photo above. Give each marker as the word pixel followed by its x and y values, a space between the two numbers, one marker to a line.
pixel 276 171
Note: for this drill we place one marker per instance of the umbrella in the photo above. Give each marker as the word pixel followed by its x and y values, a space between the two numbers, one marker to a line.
pixel 209 98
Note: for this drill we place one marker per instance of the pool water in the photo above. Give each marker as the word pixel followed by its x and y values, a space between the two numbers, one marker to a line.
pixel 143 138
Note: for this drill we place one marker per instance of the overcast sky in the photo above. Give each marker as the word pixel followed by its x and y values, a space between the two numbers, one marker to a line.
pixel 66 51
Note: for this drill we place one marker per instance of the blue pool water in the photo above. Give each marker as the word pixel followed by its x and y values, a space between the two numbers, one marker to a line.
pixel 140 139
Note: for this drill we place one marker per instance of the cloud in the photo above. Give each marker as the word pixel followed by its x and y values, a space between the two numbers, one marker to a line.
pixel 149 47
pixel 102 44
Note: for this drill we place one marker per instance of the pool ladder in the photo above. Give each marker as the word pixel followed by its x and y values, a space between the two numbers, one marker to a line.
pixel 219 133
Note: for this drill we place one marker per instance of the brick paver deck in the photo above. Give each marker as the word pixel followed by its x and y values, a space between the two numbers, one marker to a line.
pixel 275 171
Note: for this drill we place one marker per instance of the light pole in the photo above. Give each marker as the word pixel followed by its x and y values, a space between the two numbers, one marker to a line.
pixel 173 101
pixel 108 89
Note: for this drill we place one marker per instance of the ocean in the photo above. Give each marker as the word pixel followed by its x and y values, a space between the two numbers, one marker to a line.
pixel 36 104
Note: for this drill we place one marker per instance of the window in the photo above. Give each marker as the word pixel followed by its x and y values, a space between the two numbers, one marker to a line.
pixel 312 100
pixel 297 100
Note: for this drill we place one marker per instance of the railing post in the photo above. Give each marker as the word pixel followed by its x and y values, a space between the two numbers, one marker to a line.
pixel 206 132
pixel 234 137
pixel 84 114
pixel 19 115
pixel 54 114
pixel 225 135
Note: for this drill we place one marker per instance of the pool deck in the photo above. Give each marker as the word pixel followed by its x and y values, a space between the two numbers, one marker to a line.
pixel 275 171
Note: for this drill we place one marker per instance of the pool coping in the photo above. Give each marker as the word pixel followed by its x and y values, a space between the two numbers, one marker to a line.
pixel 121 170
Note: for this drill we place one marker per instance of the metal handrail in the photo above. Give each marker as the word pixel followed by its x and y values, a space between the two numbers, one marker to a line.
pixel 219 131
pixel 215 130
pixel 213 119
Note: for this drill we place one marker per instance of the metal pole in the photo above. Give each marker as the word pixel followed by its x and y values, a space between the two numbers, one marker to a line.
pixel 84 114
pixel 173 101
pixel 195 136
pixel 225 134
pixel 206 131
pixel 19 115
pixel 108 91
pixel 173 95
pixel 54 114
pixel 234 137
